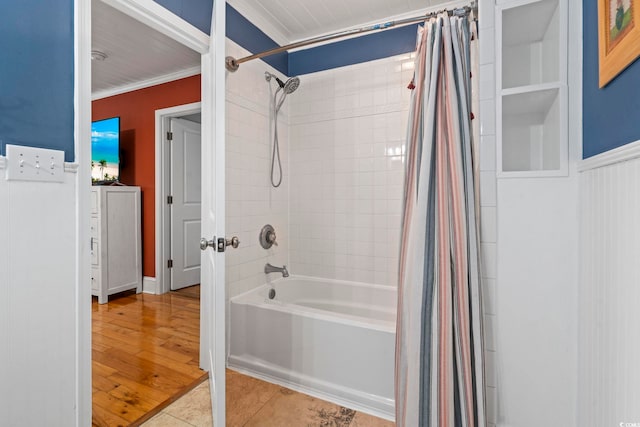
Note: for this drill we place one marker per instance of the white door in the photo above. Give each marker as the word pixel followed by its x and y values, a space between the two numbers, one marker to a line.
pixel 186 204
pixel 213 294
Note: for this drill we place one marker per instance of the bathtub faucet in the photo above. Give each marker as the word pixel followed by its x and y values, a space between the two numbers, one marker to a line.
pixel 268 268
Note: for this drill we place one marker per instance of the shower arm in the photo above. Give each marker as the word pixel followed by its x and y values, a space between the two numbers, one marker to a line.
pixel 233 64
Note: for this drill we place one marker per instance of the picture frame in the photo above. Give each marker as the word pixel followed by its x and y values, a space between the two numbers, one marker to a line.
pixel 618 37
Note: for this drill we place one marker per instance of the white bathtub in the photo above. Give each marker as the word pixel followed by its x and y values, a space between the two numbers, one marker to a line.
pixel 331 339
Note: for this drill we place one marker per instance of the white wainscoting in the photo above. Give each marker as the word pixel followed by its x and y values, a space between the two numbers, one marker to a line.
pixel 38 301
pixel 609 295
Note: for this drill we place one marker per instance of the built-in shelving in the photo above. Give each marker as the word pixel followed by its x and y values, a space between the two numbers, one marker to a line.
pixel 532 88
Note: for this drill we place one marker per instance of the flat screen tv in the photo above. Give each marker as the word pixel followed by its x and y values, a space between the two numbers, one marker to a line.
pixel 105 150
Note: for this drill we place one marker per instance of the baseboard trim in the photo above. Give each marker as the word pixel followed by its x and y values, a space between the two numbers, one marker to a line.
pixel 149 285
pixel 621 154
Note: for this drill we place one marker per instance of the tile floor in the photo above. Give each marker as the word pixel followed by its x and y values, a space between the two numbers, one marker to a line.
pixel 252 402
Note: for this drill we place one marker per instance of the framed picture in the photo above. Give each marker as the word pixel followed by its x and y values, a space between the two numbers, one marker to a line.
pixel 618 36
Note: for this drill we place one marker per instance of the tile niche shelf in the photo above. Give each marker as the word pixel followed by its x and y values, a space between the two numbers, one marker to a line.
pixel 531 56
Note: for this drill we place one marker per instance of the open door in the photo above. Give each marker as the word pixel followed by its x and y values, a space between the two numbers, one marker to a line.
pixel 186 206
pixel 213 293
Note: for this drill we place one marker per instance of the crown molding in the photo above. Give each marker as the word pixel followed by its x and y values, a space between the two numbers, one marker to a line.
pixel 188 72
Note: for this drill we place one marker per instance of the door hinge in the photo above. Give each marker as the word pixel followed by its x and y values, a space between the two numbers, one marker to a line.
pixel 170 263
pixel 169 136
pixel 170 200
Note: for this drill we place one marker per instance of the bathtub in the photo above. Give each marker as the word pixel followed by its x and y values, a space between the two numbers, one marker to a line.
pixel 331 339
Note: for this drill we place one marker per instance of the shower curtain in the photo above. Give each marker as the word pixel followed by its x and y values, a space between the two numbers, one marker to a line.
pixel 439 348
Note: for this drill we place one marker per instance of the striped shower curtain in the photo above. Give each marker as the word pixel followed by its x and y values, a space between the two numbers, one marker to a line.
pixel 439 348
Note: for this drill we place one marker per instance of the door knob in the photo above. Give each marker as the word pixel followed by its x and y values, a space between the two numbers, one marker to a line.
pixel 219 244
pixel 204 244
pixel 234 242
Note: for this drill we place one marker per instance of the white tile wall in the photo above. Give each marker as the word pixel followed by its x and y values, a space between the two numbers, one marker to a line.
pixel 347 169
pixel 488 199
pixel 251 201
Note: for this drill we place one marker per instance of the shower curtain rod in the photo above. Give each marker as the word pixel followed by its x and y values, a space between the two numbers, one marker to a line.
pixel 233 64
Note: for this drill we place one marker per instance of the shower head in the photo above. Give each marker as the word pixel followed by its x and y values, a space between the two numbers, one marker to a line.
pixel 288 87
pixel 291 85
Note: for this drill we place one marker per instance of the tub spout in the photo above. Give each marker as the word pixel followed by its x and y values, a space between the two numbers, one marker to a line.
pixel 268 268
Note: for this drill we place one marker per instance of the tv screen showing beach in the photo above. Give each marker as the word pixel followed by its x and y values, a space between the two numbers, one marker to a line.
pixel 105 150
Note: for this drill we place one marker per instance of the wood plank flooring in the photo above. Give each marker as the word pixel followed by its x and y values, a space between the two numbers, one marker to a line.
pixel 145 354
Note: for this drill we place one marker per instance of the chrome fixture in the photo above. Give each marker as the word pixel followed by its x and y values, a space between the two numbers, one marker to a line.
pixel 268 76
pixel 289 86
pixel 219 244
pixel 286 88
pixel 234 242
pixel 267 237
pixel 268 268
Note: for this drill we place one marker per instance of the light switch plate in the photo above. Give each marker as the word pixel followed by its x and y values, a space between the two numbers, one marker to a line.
pixel 34 164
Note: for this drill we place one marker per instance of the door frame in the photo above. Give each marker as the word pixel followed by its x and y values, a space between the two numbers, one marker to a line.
pixel 163 186
pixel 157 17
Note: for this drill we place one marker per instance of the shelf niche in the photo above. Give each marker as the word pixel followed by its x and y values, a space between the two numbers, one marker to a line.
pixel 532 88
pixel 531 128
pixel 530 44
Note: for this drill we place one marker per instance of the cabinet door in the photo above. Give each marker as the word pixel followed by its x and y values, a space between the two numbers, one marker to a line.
pixel 121 230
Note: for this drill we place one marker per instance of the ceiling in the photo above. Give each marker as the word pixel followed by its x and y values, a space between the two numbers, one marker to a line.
pixel 139 56
pixel 135 53
pixel 287 21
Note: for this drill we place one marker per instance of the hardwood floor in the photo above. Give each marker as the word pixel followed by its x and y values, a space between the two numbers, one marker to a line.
pixel 145 354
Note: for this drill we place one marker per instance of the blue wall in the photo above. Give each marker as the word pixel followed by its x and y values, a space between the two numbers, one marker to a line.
pixel 196 12
pixel 611 116
pixel 239 29
pixel 353 51
pixel 37 65
pixel 339 54
pixel 250 37
pixel 36 74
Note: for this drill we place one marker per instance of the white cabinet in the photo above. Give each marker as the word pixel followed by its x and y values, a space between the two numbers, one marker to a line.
pixel 116 244
pixel 531 68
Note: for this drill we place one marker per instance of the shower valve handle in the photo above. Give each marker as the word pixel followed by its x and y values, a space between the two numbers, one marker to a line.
pixel 267 236
pixel 271 237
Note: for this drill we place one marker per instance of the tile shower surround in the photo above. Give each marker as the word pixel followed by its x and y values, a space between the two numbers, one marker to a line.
pixel 338 211
pixel 251 201
pixel 347 170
